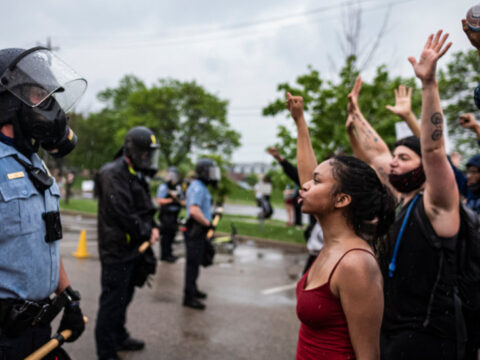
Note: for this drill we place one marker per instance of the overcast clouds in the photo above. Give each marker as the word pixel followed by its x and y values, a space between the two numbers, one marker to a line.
pixel 195 40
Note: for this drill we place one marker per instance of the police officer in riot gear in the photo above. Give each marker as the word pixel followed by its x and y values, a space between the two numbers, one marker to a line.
pixel 125 220
pixel 36 91
pixel 199 216
pixel 170 199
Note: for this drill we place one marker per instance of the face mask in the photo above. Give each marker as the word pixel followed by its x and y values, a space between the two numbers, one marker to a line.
pixel 47 126
pixel 408 181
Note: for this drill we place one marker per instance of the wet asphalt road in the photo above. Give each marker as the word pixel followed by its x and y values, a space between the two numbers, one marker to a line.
pixel 250 307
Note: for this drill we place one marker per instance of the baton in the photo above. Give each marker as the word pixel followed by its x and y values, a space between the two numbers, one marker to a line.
pixel 53 343
pixel 142 248
pixel 215 221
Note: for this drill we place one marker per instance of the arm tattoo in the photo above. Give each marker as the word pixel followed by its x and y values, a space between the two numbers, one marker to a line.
pixel 437 121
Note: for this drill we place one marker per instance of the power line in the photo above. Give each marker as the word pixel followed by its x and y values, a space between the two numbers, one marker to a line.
pixel 225 32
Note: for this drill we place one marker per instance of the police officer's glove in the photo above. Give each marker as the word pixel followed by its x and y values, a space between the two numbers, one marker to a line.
pixel 72 315
pixel 211 227
pixel 219 213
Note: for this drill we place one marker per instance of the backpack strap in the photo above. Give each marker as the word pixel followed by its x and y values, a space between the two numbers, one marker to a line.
pixel 392 265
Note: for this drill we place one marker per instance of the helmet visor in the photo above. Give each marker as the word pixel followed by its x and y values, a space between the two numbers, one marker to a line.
pixel 149 159
pixel 214 173
pixel 172 177
pixel 41 74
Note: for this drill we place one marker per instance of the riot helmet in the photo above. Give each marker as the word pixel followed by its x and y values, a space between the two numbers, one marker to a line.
pixel 172 177
pixel 37 89
pixel 208 171
pixel 142 149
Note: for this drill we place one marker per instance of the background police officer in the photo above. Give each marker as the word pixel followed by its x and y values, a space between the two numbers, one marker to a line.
pixel 199 216
pixel 36 89
pixel 125 220
pixel 171 199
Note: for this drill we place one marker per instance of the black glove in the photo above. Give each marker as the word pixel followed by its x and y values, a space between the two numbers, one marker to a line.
pixel 220 214
pixel 72 320
pixel 211 227
pixel 72 315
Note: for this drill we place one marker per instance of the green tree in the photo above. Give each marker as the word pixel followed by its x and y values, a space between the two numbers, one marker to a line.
pixel 183 115
pixel 457 81
pixel 326 105
pixel 186 118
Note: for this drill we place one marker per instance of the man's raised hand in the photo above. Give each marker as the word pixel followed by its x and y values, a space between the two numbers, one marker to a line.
pixel 352 106
pixel 434 49
pixel 403 102
pixel 467 121
pixel 295 106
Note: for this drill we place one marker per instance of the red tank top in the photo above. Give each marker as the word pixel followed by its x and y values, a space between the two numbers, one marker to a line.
pixel 323 331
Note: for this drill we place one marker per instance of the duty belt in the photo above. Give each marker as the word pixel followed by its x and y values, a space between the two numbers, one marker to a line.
pixel 18 315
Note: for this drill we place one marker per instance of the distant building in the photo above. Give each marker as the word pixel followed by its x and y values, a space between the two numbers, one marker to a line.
pixel 239 171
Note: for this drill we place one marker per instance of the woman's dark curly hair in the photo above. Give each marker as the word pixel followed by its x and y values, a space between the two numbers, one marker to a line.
pixel 372 207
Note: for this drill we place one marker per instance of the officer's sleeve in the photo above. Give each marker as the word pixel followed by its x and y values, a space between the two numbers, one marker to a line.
pixel 119 202
pixel 162 191
pixel 197 196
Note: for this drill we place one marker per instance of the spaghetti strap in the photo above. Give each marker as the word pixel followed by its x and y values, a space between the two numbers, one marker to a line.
pixel 341 257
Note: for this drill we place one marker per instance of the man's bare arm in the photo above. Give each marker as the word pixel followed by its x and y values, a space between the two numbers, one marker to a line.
pixel 441 197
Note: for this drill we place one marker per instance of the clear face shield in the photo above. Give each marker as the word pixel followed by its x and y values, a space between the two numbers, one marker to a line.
pixel 172 177
pixel 37 74
pixel 148 160
pixel 214 173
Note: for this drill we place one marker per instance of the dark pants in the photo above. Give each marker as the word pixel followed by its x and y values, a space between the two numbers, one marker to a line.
pixel 417 345
pixel 167 234
pixel 195 245
pixel 20 347
pixel 117 293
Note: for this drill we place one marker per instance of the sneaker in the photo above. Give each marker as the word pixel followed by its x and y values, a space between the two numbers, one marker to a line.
pixel 200 295
pixel 194 304
pixel 131 344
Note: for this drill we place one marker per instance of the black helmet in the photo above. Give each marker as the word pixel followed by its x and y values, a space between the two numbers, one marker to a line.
pixel 36 90
pixel 142 149
pixel 208 171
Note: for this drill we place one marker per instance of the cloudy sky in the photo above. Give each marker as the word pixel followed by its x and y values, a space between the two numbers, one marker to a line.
pixel 238 50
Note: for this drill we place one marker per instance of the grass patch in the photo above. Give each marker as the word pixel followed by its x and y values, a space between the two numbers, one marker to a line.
pixel 242 196
pixel 272 229
pixel 246 225
pixel 82 205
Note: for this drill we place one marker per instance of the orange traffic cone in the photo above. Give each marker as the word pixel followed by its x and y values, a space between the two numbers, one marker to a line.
pixel 82 251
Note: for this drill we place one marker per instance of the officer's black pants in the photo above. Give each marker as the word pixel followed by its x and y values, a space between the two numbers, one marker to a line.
pixel 117 293
pixel 20 347
pixel 417 345
pixel 167 236
pixel 195 244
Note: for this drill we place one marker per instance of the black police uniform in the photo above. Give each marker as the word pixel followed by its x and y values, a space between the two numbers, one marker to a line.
pixel 169 219
pixel 125 220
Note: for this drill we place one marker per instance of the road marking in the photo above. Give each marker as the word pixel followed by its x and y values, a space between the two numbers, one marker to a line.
pixel 279 289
